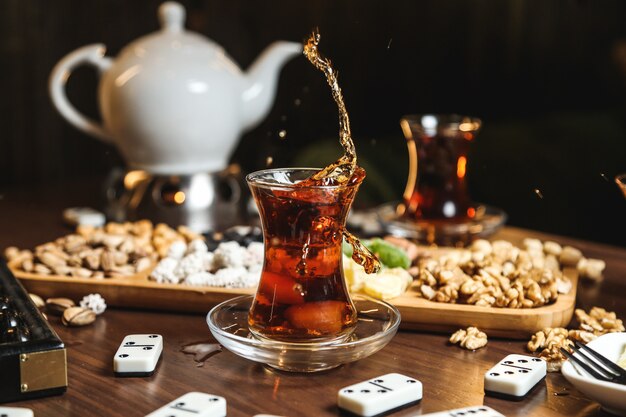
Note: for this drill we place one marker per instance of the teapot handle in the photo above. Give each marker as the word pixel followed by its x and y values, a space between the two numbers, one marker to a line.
pixel 90 54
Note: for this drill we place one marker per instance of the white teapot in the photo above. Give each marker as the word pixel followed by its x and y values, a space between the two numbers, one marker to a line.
pixel 173 101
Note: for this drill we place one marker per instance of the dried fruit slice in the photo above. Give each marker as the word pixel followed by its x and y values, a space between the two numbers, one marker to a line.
pixel 323 317
pixel 280 289
pixel 389 283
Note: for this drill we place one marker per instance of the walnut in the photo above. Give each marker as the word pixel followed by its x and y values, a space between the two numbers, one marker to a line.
pixel 581 336
pixel 470 286
pixel 446 294
pixel 591 268
pixel 470 338
pixel 563 285
pixel 550 340
pixel 531 244
pixel 570 256
pixel 599 321
pixel 481 245
pixel 552 248
pixel 514 278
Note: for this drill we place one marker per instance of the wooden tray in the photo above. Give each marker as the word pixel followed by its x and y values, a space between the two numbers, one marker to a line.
pixel 417 313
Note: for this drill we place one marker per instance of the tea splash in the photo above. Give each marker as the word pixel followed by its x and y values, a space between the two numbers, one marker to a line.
pixel 343 170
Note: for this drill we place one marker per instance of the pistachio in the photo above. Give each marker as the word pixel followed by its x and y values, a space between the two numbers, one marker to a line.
pixel 37 300
pixel 78 316
pixel 81 272
pixel 11 253
pixel 142 263
pixel 28 265
pixel 42 269
pixel 57 306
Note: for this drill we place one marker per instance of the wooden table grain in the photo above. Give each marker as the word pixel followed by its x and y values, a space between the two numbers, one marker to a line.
pixel 452 377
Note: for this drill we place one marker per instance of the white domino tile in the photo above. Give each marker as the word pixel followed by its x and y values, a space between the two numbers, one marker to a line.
pixel 515 375
pixel 379 395
pixel 138 355
pixel 16 412
pixel 477 411
pixel 193 404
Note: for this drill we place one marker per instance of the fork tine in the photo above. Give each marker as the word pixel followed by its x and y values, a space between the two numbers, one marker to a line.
pixel 610 365
pixel 591 361
pixel 586 367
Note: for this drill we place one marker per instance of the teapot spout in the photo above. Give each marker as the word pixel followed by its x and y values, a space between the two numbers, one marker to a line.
pixel 261 81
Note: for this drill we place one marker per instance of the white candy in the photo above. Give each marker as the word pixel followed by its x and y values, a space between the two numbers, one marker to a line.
pixel 164 271
pixel 208 260
pixel 231 265
pixel 197 245
pixel 230 277
pixel 200 279
pixel 94 302
pixel 254 254
pixel 177 249
pixel 190 264
pixel 229 255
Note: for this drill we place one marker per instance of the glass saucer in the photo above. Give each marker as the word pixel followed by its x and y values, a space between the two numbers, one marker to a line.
pixel 378 323
pixel 486 221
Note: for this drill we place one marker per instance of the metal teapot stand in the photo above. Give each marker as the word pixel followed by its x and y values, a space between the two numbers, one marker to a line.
pixel 204 201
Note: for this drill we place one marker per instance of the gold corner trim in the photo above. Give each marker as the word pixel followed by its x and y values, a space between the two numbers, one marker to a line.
pixel 43 370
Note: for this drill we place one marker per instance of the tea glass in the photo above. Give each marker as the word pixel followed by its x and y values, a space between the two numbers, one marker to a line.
pixel 438 148
pixel 620 180
pixel 302 294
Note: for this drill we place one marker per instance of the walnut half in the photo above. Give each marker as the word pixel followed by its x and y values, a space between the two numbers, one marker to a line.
pixel 470 338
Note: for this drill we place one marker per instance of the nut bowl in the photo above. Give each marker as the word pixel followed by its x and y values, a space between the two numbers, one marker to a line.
pixel 378 322
pixel 610 395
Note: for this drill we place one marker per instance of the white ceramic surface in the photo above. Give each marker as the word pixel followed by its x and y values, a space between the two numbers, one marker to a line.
pixel 173 101
pixel 611 396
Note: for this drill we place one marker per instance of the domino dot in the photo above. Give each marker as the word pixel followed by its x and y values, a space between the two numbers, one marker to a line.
pixel 522 360
pixel 123 355
pixel 4 415
pixel 508 372
pixel 379 381
pixel 472 412
pixel 508 362
pixel 536 360
pixel 365 390
pixel 147 348
pixel 212 399
pixel 524 371
pixel 411 381
pixel 482 409
pixel 152 336
pixel 382 391
pixel 494 374
pixel 348 391
pixel 130 343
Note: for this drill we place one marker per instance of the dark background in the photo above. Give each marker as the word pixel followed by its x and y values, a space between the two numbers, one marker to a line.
pixel 548 79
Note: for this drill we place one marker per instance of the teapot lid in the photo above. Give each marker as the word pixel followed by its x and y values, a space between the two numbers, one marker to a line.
pixel 171 16
pixel 172 36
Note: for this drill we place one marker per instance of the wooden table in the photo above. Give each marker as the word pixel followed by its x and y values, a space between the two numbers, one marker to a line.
pixel 452 377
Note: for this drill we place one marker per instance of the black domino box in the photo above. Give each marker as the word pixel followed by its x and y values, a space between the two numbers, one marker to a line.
pixel 33 360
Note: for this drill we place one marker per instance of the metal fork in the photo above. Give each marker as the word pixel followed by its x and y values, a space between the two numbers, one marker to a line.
pixel 596 364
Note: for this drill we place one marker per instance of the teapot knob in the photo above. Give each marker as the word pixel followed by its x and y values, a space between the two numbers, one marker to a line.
pixel 172 16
